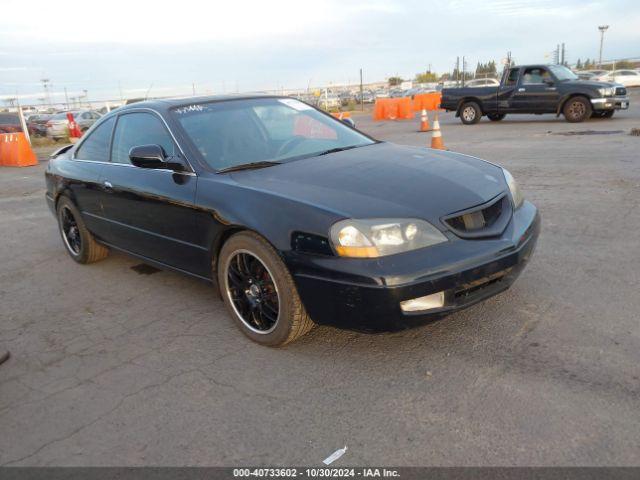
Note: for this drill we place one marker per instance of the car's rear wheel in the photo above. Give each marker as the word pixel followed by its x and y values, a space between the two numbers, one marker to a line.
pixel 259 292
pixel 470 113
pixel 577 109
pixel 496 117
pixel 78 241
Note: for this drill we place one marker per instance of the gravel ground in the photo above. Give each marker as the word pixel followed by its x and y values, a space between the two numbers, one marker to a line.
pixel 116 366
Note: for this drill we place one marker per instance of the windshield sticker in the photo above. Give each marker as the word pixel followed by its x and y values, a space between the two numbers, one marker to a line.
pixel 190 108
pixel 295 104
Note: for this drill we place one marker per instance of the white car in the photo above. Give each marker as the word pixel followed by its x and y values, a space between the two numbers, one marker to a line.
pixel 628 78
pixel 482 82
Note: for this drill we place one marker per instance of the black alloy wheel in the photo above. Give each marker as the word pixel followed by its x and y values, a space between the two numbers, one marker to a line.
pixel 70 231
pixel 252 292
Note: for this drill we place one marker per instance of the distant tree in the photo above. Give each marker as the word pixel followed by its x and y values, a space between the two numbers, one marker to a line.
pixel 426 77
pixel 578 65
pixel 395 81
pixel 485 70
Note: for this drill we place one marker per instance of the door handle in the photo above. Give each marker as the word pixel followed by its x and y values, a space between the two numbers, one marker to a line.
pixel 522 89
pixel 108 185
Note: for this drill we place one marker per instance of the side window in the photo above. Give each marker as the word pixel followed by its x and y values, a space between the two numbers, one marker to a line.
pixel 534 75
pixel 512 79
pixel 96 146
pixel 134 129
pixel 86 116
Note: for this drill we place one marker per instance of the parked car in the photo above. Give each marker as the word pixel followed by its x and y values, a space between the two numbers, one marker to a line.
pixel 57 125
pixel 297 218
pixel 329 101
pixel 596 72
pixel 367 97
pixel 537 89
pixel 482 82
pixel 37 124
pixel 628 78
pixel 10 123
pixel 585 75
pixel 381 94
pixel 346 98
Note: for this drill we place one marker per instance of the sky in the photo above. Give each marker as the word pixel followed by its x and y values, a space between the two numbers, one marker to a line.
pixel 134 48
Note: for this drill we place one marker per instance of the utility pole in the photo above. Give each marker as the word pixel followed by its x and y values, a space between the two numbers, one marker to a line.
pixel 562 55
pixel 464 69
pixel 457 70
pixel 66 98
pixel 361 93
pixel 602 28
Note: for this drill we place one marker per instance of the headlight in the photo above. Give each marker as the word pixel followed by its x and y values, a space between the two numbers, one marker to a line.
pixel 516 194
pixel 607 92
pixel 377 237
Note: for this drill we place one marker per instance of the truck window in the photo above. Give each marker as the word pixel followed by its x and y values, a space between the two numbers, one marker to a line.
pixel 512 78
pixel 533 75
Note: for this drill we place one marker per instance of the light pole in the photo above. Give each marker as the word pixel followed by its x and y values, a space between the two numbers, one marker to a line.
pixel 602 28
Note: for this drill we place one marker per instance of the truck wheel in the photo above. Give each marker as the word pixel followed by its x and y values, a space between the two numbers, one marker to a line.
pixel 496 117
pixel 470 113
pixel 577 109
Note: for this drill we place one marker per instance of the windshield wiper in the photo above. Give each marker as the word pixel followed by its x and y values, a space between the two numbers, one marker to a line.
pixel 337 149
pixel 249 166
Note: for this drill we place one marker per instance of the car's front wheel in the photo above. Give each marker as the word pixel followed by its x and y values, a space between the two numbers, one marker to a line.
pixel 577 109
pixel 470 113
pixel 78 241
pixel 259 292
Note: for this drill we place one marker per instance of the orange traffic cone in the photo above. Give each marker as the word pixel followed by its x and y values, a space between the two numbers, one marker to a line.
pixel 74 130
pixel 16 151
pixel 424 121
pixel 436 136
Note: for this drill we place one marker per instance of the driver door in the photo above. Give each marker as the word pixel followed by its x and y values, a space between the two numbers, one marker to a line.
pixel 151 211
pixel 536 92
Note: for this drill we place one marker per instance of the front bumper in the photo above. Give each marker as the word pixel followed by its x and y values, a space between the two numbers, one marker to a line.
pixel 365 294
pixel 610 103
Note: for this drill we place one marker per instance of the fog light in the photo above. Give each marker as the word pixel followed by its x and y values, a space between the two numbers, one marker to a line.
pixel 428 302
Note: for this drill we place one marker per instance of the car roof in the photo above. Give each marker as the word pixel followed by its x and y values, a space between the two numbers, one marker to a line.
pixel 165 104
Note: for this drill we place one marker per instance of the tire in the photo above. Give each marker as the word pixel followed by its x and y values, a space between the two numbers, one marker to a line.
pixel 496 117
pixel 255 283
pixel 470 113
pixel 577 109
pixel 87 250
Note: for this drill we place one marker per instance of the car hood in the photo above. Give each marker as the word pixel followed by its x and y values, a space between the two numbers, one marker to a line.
pixel 382 180
pixel 593 83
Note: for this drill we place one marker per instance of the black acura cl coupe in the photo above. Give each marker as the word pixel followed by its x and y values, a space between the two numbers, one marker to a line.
pixel 296 216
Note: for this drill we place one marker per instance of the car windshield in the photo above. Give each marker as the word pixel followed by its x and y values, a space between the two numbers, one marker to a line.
pixel 239 132
pixel 563 73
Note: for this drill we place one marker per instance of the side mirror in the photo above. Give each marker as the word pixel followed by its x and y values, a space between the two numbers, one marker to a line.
pixel 350 122
pixel 153 156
